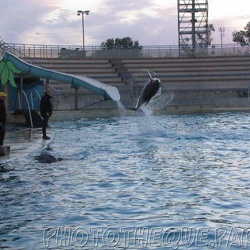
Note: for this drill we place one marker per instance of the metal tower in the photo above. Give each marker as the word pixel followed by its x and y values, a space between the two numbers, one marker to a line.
pixel 192 25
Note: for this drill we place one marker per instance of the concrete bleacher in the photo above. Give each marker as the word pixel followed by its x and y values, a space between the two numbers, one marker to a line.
pixel 188 78
pixel 195 73
pixel 90 68
pixel 99 69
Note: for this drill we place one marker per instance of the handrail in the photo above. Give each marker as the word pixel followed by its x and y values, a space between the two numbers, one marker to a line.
pixel 31 97
pixel 99 52
pixel 31 120
pixel 20 52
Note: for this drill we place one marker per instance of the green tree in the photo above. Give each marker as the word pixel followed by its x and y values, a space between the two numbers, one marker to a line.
pixel 243 36
pixel 202 41
pixel 206 40
pixel 121 43
pixel 119 48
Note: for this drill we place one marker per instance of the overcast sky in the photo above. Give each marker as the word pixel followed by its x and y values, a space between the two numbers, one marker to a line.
pixel 151 22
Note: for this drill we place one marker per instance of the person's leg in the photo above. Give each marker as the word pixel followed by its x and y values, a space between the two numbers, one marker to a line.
pixel 2 134
pixel 45 124
pixel 1 137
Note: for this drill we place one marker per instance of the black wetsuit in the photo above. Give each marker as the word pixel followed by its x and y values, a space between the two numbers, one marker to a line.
pixel 46 111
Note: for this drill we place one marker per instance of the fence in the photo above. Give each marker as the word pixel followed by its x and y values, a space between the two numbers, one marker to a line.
pixel 67 101
pixel 76 52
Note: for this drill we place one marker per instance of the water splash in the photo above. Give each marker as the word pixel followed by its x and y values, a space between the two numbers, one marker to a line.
pixel 146 119
pixel 122 109
pixel 161 101
pixel 148 125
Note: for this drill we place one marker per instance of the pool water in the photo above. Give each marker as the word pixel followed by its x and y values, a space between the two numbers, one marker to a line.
pixel 147 182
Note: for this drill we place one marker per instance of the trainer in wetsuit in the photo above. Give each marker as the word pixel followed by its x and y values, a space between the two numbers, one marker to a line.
pixel 46 111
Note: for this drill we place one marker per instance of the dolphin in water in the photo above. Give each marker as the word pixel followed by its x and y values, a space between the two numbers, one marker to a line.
pixel 150 89
pixel 45 157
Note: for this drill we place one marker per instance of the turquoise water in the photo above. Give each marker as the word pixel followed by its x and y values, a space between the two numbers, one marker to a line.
pixel 165 182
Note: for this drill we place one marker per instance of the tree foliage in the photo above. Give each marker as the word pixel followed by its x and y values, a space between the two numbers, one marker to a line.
pixel 121 43
pixel 202 41
pixel 243 36
pixel 207 40
pixel 119 48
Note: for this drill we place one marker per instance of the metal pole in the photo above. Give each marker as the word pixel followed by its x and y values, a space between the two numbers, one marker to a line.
pixel 76 98
pixel 193 28
pixel 222 32
pixel 21 96
pixel 80 12
pixel 83 48
pixel 83 44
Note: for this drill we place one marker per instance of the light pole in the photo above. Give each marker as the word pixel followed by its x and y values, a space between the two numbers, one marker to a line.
pixel 222 33
pixel 81 12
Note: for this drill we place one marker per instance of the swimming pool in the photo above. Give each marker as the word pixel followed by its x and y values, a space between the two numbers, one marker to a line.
pixel 165 182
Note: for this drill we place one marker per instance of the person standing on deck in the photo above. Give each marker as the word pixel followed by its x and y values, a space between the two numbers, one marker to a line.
pixel 3 117
pixel 46 111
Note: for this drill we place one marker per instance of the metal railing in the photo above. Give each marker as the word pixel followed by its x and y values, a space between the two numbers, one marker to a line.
pixel 65 102
pixel 27 102
pixel 76 52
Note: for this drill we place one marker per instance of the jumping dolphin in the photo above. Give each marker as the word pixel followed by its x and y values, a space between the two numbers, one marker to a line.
pixel 150 89
pixel 45 157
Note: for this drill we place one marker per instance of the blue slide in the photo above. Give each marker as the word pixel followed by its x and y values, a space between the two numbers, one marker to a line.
pixel 108 92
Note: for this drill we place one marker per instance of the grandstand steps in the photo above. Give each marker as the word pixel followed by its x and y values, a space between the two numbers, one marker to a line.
pixel 179 75
pixel 98 69
pixel 194 73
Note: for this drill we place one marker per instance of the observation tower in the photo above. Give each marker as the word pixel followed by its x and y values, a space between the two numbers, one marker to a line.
pixel 192 25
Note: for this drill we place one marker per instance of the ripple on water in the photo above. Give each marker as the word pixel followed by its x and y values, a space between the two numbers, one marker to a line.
pixel 165 173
